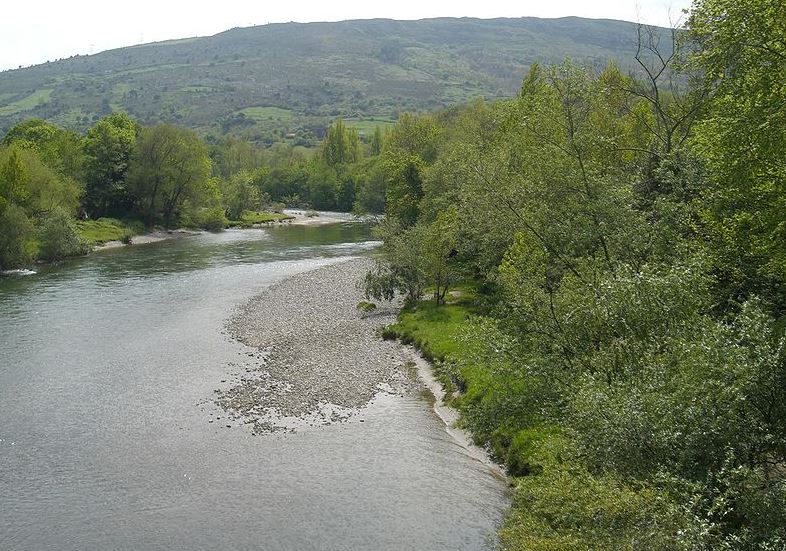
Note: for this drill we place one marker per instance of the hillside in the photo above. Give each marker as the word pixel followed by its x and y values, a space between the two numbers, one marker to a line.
pixel 273 81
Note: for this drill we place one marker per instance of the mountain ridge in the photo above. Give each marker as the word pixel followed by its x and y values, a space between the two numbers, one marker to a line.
pixel 269 81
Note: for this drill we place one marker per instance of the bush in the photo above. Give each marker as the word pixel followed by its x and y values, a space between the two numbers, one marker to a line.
pixel 15 233
pixel 58 237
pixel 365 306
pixel 211 219
pixel 566 508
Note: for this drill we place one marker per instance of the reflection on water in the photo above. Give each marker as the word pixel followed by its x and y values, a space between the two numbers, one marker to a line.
pixel 107 365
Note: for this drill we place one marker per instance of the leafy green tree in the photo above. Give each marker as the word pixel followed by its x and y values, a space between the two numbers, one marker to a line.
pixel 240 194
pixel 233 155
pixel 36 132
pixel 170 166
pixel 109 145
pixel 58 238
pixel 437 247
pixel 377 141
pixel 404 181
pixel 27 181
pixel 371 188
pixel 59 149
pixel 323 180
pixel 410 147
pixel 418 257
pixel 13 179
pixel 341 145
pixel 740 49
pixel 16 233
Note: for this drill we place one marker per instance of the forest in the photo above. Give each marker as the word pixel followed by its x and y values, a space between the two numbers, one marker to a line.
pixel 603 261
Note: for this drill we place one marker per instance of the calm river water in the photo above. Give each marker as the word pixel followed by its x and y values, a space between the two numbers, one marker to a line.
pixel 107 367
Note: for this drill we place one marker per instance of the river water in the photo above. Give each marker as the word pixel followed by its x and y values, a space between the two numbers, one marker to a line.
pixel 107 367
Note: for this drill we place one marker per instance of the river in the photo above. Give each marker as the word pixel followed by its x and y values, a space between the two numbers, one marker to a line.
pixel 107 368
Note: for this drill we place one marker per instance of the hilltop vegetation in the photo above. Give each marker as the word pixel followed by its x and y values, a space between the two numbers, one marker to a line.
pixel 287 82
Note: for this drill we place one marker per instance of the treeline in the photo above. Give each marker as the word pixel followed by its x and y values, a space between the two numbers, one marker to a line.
pixel 620 246
pixel 343 174
pixel 52 180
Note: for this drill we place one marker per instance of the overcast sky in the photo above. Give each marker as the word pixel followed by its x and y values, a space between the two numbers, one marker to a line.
pixel 34 32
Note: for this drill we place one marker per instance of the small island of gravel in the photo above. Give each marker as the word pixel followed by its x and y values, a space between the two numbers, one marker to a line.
pixel 318 357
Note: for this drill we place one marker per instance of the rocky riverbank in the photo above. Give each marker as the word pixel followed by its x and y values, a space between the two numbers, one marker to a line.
pixel 314 358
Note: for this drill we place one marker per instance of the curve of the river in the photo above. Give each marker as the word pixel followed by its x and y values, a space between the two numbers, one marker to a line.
pixel 107 368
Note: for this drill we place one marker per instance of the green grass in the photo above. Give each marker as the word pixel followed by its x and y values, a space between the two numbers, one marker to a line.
pixel 250 218
pixel 435 330
pixel 27 103
pixel 267 113
pixel 367 126
pixel 96 232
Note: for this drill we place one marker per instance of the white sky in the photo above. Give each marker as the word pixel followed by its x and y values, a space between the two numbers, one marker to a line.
pixel 33 32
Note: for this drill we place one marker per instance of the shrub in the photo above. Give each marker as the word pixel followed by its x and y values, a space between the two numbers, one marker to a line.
pixel 207 218
pixel 58 237
pixel 366 307
pixel 15 233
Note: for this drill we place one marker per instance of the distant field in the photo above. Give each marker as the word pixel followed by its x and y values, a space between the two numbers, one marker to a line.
pixel 39 97
pixel 368 126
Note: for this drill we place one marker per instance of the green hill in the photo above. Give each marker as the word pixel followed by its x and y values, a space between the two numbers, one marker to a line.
pixel 273 81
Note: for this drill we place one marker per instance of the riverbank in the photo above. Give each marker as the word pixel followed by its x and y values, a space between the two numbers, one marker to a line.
pixel 314 218
pixel 293 218
pixel 315 358
pixel 146 238
pixel 130 416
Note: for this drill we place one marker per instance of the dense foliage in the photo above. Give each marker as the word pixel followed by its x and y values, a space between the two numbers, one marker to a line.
pixel 617 245
pixel 121 175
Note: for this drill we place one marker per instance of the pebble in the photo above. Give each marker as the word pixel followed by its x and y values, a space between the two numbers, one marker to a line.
pixel 313 347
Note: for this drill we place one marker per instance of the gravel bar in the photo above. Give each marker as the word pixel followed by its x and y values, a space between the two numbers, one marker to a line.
pixel 316 358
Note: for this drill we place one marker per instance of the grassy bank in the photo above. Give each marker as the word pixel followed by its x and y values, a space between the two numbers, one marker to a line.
pixel 250 218
pixel 103 230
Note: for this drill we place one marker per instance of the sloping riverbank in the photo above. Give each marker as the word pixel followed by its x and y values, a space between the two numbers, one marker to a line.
pixel 317 360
